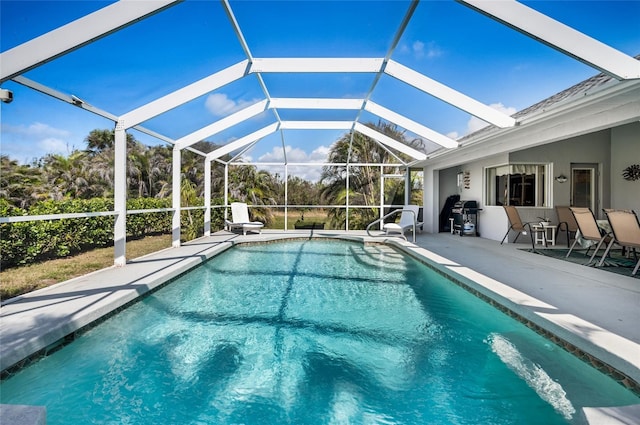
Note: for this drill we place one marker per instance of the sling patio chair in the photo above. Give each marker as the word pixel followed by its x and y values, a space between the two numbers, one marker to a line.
pixel 516 224
pixel 626 232
pixel 408 221
pixel 240 219
pixel 588 231
pixel 567 221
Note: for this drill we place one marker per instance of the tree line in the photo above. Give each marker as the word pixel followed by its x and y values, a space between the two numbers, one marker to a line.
pixel 87 174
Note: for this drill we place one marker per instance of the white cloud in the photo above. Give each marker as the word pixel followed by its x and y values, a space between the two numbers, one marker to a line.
pixel 433 51
pixel 27 142
pixel 476 124
pixel 311 173
pixel 219 104
pixel 453 135
pixel 419 49
pixel 53 145
pixel 35 131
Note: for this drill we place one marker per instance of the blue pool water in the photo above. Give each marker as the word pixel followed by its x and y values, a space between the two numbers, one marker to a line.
pixel 312 332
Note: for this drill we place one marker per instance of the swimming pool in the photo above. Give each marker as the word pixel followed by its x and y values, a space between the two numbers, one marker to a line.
pixel 313 332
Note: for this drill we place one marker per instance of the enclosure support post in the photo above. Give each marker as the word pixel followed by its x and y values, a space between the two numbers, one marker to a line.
pixel 207 197
pixel 120 196
pixel 176 183
pixel 407 186
pixel 286 196
pixel 381 212
pixel 347 198
pixel 226 192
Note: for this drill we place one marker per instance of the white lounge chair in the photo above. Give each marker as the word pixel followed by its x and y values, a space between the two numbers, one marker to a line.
pixel 240 219
pixel 408 219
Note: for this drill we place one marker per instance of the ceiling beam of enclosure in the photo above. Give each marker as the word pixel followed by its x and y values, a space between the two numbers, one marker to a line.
pixel 76 34
pixel 76 101
pixel 313 125
pixel 123 13
pixel 559 36
pixel 315 65
pixel 315 103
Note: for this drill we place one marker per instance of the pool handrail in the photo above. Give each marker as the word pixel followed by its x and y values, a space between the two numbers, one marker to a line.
pixel 399 210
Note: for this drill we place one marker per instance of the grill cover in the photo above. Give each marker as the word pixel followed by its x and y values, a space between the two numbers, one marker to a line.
pixel 464 211
pixel 465 207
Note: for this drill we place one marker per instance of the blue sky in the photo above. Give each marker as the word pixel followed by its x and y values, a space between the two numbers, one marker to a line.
pixel 444 40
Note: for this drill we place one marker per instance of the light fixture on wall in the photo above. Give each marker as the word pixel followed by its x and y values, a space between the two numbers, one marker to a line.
pixel 464 180
pixel 561 178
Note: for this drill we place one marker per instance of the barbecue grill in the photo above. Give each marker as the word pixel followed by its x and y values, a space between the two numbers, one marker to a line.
pixel 465 218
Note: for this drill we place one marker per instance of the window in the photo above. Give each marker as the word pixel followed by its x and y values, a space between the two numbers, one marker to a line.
pixel 518 184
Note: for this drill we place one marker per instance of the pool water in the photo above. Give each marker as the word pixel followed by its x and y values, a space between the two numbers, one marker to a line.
pixel 312 332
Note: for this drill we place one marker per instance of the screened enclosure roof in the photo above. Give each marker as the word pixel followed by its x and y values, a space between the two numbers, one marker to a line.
pixel 278 82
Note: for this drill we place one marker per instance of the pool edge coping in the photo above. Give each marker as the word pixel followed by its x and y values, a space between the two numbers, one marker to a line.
pixel 597 356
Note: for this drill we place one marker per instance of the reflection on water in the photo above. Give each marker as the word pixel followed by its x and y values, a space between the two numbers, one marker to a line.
pixel 316 332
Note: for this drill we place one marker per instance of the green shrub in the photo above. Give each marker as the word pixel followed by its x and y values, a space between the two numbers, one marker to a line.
pixel 25 242
pixel 139 225
pixel 14 237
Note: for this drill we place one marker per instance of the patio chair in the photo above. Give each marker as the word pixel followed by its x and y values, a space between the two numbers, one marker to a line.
pixel 240 217
pixel 516 224
pixel 626 232
pixel 408 219
pixel 567 221
pixel 589 231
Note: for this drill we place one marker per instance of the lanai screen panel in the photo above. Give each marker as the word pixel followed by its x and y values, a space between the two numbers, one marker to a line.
pixel 194 39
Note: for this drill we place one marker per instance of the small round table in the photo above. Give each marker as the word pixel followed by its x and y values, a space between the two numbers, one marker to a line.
pixel 545 233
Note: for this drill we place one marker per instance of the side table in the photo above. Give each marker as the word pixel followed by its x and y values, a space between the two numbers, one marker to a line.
pixel 545 233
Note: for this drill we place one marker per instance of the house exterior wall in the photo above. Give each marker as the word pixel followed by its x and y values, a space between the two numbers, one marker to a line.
pixel 589 148
pixel 599 126
pixel 625 151
pixel 448 184
pixel 612 149
pixel 491 220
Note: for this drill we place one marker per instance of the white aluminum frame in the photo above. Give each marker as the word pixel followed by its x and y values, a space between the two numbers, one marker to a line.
pixel 76 34
pixel 410 125
pixel 118 15
pixel 559 36
pixel 449 95
pixel 185 94
pixel 316 65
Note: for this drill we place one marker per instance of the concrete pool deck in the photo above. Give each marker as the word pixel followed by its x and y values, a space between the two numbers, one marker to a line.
pixel 596 311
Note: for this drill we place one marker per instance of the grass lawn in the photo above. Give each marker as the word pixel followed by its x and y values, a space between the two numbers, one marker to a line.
pixel 20 280
pixel 313 215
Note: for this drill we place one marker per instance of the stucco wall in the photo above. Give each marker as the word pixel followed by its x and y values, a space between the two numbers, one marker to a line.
pixel 448 184
pixel 613 149
pixel 595 147
pixel 589 148
pixel 491 220
pixel 625 151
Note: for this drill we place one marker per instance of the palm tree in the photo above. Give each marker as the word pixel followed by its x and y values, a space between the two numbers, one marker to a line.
pixel 364 180
pixel 67 177
pixel 100 140
pixel 101 170
pixel 21 185
pixel 159 171
pixel 192 221
pixel 256 187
